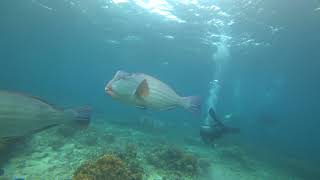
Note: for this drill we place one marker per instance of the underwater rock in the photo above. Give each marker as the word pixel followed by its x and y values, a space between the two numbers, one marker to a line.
pixel 129 154
pixel 131 151
pixel 236 154
pixel 109 138
pixel 204 165
pixel 192 141
pixel 39 155
pixel 88 137
pixel 110 167
pixel 149 123
pixel 66 131
pixel 49 138
pixel 89 140
pixel 174 159
pixel 55 143
pixel 5 146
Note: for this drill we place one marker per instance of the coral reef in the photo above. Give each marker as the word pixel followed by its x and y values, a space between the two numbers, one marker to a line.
pixel 129 155
pixel 174 159
pixel 112 166
pixel 109 138
pixel 50 154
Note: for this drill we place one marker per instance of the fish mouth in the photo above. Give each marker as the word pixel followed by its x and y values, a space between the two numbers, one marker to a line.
pixel 110 93
pixel 108 90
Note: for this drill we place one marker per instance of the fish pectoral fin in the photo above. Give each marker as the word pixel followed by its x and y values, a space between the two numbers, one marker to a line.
pixel 42 129
pixel 143 89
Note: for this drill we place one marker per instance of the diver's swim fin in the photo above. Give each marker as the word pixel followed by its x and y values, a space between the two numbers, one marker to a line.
pixel 212 114
pixel 214 117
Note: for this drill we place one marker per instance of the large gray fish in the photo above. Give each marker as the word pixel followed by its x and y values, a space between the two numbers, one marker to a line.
pixel 22 115
pixel 146 91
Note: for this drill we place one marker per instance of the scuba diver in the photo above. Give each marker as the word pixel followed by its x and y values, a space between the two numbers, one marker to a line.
pixel 215 129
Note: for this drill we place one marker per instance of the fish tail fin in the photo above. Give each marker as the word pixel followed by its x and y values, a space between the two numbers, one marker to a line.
pixel 192 103
pixel 81 116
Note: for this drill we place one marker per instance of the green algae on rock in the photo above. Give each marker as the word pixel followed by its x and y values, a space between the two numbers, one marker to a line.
pixel 109 167
pixel 175 160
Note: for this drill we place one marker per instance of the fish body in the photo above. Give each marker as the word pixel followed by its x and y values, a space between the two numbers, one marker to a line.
pixel 22 114
pixel 145 91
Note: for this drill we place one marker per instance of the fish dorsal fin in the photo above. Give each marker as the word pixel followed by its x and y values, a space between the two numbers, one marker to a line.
pixel 143 89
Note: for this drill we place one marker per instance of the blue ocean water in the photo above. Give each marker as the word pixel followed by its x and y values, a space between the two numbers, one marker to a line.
pixel 256 62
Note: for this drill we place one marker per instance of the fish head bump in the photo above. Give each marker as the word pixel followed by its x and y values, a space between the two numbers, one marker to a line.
pixel 118 86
